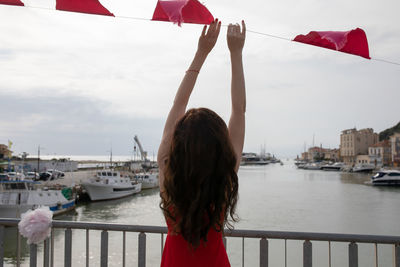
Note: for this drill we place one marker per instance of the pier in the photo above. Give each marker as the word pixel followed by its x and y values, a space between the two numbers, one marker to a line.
pixel 143 231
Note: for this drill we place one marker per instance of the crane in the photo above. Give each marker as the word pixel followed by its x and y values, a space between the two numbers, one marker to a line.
pixel 143 154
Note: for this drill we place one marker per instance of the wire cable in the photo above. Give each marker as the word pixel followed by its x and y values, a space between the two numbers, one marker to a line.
pixel 224 25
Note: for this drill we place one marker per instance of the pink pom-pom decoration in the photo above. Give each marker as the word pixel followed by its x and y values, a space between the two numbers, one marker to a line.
pixel 35 225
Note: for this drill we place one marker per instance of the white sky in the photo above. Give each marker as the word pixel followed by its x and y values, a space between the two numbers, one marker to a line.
pixel 77 84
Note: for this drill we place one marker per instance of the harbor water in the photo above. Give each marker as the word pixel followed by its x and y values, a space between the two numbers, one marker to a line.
pixel 271 197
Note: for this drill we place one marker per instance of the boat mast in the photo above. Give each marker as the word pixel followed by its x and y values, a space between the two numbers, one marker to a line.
pixel 38 160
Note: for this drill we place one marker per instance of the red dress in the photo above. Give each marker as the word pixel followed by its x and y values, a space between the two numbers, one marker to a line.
pixel 208 254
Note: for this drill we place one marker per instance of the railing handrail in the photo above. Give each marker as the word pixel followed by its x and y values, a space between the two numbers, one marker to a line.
pixel 335 237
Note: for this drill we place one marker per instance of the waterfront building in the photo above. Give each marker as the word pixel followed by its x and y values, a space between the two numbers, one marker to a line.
pixel 63 165
pixel 355 142
pixel 4 151
pixel 304 156
pixel 315 153
pixel 320 153
pixel 380 154
pixel 331 154
pixel 395 142
pixel 363 159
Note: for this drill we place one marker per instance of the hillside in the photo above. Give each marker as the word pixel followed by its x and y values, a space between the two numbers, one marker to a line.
pixel 384 135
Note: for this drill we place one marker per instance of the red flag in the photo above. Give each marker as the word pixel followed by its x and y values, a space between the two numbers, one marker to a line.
pixel 178 11
pixel 83 6
pixel 11 2
pixel 352 42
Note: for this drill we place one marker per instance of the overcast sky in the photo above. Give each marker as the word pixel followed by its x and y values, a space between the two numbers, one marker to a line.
pixel 78 84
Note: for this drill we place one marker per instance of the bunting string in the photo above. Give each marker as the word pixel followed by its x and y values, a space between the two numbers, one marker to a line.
pixel 248 30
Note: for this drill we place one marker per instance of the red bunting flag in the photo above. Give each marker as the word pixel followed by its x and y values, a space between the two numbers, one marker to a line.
pixel 352 42
pixel 83 6
pixel 11 2
pixel 178 11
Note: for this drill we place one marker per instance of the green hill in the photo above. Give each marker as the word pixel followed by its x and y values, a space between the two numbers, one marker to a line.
pixel 384 135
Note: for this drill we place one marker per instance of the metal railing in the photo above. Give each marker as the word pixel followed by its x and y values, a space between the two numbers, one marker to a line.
pixel 263 236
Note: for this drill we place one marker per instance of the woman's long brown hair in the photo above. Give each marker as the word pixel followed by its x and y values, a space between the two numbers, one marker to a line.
pixel 200 184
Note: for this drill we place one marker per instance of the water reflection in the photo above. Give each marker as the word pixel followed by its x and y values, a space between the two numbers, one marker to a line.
pixel 10 246
pixel 355 178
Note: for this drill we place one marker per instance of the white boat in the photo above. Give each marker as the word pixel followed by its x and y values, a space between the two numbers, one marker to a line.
pixel 18 176
pixel 32 176
pixel 109 184
pixel 17 197
pixel 148 180
pixel 386 177
pixel 363 167
pixel 312 166
pixel 337 166
pixel 253 159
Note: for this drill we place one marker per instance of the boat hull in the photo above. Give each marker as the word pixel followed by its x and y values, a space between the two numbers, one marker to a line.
pixel 15 211
pixel 391 182
pixel 99 192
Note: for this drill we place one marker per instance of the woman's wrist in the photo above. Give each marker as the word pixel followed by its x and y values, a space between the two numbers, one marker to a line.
pixel 236 53
pixel 201 54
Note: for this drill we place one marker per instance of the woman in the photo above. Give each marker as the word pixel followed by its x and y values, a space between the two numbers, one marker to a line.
pixel 199 157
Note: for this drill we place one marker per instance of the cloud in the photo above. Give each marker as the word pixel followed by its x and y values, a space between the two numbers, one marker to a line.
pixel 68 124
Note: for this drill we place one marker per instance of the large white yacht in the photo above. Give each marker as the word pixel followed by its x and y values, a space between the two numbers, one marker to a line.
pixel 110 184
pixel 148 180
pixel 17 197
pixel 386 177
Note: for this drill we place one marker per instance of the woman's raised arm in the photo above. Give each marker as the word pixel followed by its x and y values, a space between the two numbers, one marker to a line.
pixel 236 39
pixel 206 43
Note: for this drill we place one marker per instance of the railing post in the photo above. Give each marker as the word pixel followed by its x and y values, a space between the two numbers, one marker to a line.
pixel 307 254
pixel 123 248
pixel 52 248
pixel 104 249
pixel 142 250
pixel 33 255
pixel 19 249
pixel 162 244
pixel 263 252
pixel 46 253
pixel 353 255
pixel 87 247
pixel 397 255
pixel 68 248
pixel 1 245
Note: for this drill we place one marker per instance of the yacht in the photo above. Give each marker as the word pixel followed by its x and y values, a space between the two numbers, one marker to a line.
pixel 17 197
pixel 363 167
pixel 386 177
pixel 148 180
pixel 312 166
pixel 337 166
pixel 253 159
pixel 110 184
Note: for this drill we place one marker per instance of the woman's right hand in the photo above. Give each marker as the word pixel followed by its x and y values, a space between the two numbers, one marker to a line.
pixel 235 37
pixel 208 38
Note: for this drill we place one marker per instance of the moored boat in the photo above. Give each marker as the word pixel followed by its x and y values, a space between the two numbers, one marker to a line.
pixel 312 166
pixel 337 166
pixel 363 167
pixel 148 180
pixel 253 159
pixel 109 184
pixel 386 177
pixel 17 197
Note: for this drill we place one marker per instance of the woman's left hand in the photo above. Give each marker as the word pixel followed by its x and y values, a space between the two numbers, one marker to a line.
pixel 208 38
